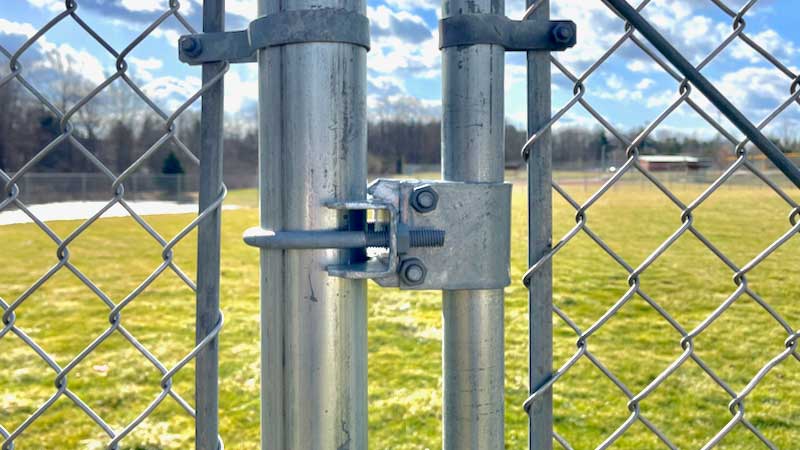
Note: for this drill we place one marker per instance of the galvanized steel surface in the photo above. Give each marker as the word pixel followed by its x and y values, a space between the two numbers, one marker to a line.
pixel 312 146
pixel 540 232
pixel 539 278
pixel 214 194
pixel 209 241
pixel 473 142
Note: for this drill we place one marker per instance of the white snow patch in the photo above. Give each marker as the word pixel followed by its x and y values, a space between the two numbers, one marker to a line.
pixel 84 210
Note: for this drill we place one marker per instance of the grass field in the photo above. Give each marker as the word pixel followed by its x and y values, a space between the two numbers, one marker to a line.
pixel 63 316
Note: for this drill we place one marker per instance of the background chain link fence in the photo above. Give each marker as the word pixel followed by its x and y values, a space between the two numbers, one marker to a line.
pixel 12 325
pixel 685 226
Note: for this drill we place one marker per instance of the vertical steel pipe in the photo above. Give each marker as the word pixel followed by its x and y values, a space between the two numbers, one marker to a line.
pixel 473 138
pixel 312 149
pixel 540 231
pixel 208 241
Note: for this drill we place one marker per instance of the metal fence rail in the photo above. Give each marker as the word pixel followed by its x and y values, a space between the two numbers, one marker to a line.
pixel 538 278
pixel 212 194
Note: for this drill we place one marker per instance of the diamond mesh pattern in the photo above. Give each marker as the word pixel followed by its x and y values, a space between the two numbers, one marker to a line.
pixel 11 196
pixel 741 288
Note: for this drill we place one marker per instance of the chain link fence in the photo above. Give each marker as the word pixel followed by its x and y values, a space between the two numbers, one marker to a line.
pixel 584 363
pixel 14 186
pixel 577 361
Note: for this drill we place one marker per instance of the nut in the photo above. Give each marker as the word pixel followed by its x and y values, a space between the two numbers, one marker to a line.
pixel 424 199
pixel 563 33
pixel 191 46
pixel 412 272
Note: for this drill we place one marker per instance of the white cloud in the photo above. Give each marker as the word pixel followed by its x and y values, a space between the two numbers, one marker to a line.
pixel 152 5
pixel 245 8
pixel 143 67
pixel 383 16
pixel 79 62
pixel 59 57
pixel 614 81
pixel 390 54
pixel 644 84
pixel 241 87
pixel 172 89
pixel 50 5
pixel 661 99
pixel 515 74
pixel 16 28
pixel 598 28
pixel 755 90
pixel 169 35
pixel 770 41
pixel 403 106
pixel 410 5
pixel 642 66
pixel 142 5
pixel 385 82
pixel 399 44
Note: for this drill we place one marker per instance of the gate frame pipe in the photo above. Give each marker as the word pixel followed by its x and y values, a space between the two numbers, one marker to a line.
pixel 209 240
pixel 473 141
pixel 312 150
pixel 540 235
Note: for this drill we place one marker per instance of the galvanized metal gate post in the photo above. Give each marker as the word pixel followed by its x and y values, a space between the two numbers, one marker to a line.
pixel 473 137
pixel 312 148
pixel 540 230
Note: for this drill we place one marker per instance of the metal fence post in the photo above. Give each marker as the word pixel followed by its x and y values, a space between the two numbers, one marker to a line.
pixel 312 149
pixel 473 138
pixel 209 241
pixel 540 218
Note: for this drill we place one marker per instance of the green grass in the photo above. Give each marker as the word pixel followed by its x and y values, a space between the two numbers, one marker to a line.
pixel 63 316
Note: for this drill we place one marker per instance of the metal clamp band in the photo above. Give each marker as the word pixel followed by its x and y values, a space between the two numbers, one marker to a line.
pixel 283 28
pixel 513 35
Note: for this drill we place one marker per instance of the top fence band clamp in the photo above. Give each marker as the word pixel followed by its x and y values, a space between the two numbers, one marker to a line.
pixel 513 35
pixel 286 27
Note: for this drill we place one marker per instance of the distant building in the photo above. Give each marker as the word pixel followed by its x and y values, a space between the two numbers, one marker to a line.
pixel 673 163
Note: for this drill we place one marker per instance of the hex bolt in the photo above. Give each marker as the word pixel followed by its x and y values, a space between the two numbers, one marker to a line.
pixel 424 199
pixel 191 46
pixel 563 33
pixel 413 272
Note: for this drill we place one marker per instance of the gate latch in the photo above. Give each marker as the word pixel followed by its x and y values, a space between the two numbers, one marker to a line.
pixel 406 240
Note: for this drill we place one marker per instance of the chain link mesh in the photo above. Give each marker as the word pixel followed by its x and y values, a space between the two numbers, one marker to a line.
pixel 687 227
pixel 11 197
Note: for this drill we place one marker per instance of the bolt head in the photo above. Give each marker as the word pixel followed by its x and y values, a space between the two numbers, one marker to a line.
pixel 413 272
pixel 563 33
pixel 424 199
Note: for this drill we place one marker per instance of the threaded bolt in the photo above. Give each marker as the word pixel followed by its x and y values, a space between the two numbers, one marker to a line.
pixel 427 238
pixel 418 238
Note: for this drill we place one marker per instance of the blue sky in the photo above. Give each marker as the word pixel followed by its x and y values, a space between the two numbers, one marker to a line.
pixel 404 64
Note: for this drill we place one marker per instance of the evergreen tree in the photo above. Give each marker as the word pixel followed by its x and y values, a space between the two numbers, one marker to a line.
pixel 172 165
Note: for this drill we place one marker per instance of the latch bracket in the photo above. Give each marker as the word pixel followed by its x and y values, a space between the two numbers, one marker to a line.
pixel 281 28
pixel 413 219
pixel 513 35
pixel 475 220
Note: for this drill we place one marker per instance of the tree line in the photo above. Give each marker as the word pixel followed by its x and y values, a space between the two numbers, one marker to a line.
pixel 116 129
